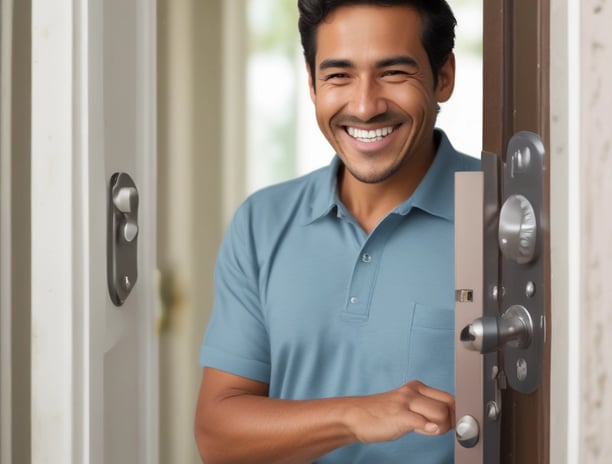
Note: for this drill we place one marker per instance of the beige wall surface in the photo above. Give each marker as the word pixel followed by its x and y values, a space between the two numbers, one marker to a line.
pixel 596 232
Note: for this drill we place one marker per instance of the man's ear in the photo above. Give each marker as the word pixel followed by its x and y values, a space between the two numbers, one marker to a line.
pixel 311 84
pixel 446 79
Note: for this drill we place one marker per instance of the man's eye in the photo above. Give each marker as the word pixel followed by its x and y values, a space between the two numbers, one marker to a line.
pixel 395 76
pixel 394 72
pixel 336 76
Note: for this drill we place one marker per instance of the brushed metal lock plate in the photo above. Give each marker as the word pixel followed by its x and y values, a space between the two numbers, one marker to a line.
pixel 516 327
pixel 122 237
pixel 522 263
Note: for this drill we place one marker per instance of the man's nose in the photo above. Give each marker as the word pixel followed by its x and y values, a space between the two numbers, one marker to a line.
pixel 367 100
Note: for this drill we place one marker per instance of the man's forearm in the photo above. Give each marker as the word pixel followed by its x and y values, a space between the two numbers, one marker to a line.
pixel 253 429
pixel 236 422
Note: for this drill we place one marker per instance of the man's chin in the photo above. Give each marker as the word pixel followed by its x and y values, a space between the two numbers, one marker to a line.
pixel 373 177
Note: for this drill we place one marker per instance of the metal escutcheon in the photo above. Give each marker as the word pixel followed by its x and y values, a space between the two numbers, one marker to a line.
pixel 122 237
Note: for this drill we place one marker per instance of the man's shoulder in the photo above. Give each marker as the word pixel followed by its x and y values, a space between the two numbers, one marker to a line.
pixel 465 162
pixel 290 191
pixel 454 159
pixel 291 201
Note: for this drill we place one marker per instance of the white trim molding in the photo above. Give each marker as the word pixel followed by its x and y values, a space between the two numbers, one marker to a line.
pixel 565 232
pixel 52 230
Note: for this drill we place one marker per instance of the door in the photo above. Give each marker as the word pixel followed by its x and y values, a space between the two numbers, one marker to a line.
pixel 94 304
pixel 122 80
pixel 511 415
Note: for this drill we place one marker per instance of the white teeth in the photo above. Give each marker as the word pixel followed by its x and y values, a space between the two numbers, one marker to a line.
pixel 369 135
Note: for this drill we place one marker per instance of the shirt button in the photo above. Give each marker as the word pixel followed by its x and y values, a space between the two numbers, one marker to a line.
pixel 366 258
pixel 354 300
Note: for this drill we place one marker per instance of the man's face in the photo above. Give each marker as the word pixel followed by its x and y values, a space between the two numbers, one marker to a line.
pixel 373 89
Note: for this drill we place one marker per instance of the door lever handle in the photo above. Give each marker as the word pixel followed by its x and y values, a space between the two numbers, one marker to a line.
pixel 489 333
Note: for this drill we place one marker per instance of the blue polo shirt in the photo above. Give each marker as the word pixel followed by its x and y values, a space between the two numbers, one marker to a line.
pixel 310 304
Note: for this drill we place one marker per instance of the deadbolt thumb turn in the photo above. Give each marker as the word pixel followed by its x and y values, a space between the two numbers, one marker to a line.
pixel 122 237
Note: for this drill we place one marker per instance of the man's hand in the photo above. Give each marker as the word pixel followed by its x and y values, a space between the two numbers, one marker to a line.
pixel 413 407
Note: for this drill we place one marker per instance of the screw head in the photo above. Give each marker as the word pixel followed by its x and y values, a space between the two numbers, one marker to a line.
pixel 530 289
pixel 521 369
pixel 492 410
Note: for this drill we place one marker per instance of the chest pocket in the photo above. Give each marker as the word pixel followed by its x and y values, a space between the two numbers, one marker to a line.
pixel 432 347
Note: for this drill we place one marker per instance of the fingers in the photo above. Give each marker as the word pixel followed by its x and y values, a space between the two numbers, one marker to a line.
pixel 441 396
pixel 425 426
pixel 436 407
pixel 433 393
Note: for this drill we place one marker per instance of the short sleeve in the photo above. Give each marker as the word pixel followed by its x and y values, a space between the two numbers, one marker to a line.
pixel 236 339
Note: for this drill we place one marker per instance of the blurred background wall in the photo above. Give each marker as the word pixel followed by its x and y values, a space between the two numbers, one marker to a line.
pixel 235 115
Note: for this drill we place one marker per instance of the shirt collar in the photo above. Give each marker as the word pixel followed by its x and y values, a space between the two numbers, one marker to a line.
pixel 326 197
pixel 434 194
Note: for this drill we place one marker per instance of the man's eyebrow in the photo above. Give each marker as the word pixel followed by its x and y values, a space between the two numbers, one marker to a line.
pixel 401 60
pixel 397 60
pixel 335 63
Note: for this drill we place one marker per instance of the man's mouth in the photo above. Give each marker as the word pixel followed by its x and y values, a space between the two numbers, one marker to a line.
pixel 369 136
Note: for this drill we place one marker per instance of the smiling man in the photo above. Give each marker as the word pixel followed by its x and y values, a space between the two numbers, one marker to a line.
pixel 331 339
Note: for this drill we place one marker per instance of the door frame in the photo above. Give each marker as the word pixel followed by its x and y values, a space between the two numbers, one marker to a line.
pixel 561 36
pixel 516 97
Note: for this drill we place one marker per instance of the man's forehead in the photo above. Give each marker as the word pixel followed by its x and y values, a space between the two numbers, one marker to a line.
pixel 380 32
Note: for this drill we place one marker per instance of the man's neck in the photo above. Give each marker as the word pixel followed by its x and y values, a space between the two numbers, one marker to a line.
pixel 370 203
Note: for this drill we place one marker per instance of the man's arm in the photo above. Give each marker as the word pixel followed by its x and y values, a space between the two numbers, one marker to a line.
pixel 236 422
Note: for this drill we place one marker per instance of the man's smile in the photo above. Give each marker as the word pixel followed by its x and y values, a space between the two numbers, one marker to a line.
pixel 369 136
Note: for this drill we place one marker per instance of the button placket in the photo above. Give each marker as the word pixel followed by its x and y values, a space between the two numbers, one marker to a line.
pixel 365 270
pixel 364 274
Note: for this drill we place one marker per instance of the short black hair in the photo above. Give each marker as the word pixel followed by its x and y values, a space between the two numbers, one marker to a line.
pixel 438 36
